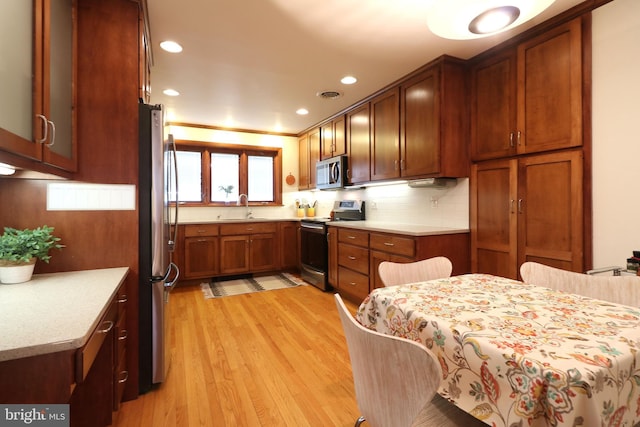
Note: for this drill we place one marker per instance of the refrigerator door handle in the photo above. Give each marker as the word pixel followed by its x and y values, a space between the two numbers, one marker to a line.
pixel 169 285
pixel 173 239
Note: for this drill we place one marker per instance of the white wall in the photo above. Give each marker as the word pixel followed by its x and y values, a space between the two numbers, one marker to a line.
pixel 616 132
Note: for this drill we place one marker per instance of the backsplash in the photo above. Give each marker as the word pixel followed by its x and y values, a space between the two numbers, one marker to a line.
pixel 397 203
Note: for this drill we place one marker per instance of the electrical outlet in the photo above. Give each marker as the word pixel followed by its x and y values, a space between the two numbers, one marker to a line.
pixel 373 205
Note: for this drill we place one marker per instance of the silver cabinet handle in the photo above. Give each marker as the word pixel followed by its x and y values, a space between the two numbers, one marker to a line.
pixel 520 205
pixel 53 133
pixel 511 204
pixel 45 128
pixel 351 257
pixel 123 299
pixel 123 335
pixel 389 244
pixel 123 376
pixel 519 138
pixel 351 237
pixel 511 140
pixel 105 327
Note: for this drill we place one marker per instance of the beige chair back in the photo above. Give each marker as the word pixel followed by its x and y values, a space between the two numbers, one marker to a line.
pixel 618 289
pixel 396 380
pixel 395 273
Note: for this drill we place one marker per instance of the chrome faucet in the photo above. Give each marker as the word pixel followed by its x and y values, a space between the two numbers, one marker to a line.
pixel 246 204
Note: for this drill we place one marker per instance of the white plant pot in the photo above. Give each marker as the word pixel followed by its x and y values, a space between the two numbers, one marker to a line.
pixel 16 273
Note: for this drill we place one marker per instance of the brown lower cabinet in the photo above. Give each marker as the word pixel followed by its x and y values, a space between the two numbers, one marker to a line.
pixel 355 254
pixel 210 250
pixel 90 379
pixel 527 209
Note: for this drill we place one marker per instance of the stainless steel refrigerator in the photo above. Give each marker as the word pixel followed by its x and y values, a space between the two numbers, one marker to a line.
pixel 158 187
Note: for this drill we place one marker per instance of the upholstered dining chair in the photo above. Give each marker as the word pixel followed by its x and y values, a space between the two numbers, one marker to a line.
pixel 396 273
pixel 617 289
pixel 396 380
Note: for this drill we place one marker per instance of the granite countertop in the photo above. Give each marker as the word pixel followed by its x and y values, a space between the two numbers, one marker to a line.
pixel 54 312
pixel 406 229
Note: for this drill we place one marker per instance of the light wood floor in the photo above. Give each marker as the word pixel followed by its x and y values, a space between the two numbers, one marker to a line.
pixel 275 358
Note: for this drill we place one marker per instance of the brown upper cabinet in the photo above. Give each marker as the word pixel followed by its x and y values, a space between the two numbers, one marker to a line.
pixel 333 138
pixel 358 144
pixel 308 156
pixel 528 99
pixel 37 120
pixel 385 135
pixel 434 119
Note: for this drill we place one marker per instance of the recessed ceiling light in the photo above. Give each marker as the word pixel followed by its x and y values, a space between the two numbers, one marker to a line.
pixel 171 46
pixel 451 19
pixel 348 80
pixel 171 92
pixel 302 111
pixel 493 20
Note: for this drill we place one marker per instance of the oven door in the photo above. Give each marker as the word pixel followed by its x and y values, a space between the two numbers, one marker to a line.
pixel 313 254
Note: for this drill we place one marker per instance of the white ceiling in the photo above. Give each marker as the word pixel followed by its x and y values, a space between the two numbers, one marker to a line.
pixel 250 64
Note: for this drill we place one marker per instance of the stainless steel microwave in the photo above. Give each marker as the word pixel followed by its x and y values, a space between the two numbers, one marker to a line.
pixel 331 174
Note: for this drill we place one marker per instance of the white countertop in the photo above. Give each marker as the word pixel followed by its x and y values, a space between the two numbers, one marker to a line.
pixel 391 227
pixel 54 312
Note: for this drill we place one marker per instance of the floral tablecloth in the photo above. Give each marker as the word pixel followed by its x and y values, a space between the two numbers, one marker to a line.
pixel 514 354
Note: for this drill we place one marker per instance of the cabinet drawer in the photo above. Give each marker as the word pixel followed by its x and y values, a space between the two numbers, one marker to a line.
pixel 87 354
pixel 353 237
pixel 394 244
pixel 353 283
pixel 248 228
pixel 354 257
pixel 195 230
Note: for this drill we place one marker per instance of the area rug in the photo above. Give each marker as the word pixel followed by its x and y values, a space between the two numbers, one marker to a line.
pixel 223 288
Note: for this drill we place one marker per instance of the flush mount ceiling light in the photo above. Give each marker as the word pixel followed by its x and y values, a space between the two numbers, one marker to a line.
pixel 464 19
pixel 171 46
pixel 493 20
pixel 171 92
pixel 302 111
pixel 348 80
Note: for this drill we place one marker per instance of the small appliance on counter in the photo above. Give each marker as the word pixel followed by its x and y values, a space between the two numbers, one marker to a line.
pixel 314 249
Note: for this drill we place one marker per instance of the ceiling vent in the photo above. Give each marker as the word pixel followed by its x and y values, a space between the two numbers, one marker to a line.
pixel 329 94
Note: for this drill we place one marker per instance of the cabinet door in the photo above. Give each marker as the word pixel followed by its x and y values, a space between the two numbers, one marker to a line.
pixel 314 156
pixel 385 134
pixel 21 51
pixel 493 107
pixel 289 245
pixel 358 142
pixel 303 162
pixel 493 217
pixel 550 211
pixel 234 254
pixel 332 238
pixel 550 90
pixel 58 94
pixel 263 252
pixel 326 140
pixel 420 132
pixel 339 136
pixel 200 257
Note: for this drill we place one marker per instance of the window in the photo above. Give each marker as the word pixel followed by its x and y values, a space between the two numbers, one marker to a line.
pixel 217 174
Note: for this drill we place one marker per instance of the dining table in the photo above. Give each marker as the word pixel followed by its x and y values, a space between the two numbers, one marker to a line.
pixel 517 354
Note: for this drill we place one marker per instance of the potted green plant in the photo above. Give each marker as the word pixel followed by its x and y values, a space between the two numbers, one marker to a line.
pixel 20 249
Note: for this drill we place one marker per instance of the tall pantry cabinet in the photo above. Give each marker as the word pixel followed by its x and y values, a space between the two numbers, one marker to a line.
pixel 527 121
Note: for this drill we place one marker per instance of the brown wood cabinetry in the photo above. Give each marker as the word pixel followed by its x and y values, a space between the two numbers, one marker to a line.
pixel 289 245
pixel 249 247
pixel 385 135
pixel 527 209
pixel 48 133
pixel 201 254
pixel 528 99
pixel 333 138
pixel 358 144
pixel 308 156
pixel 358 253
pixel 433 120
pixel 353 262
